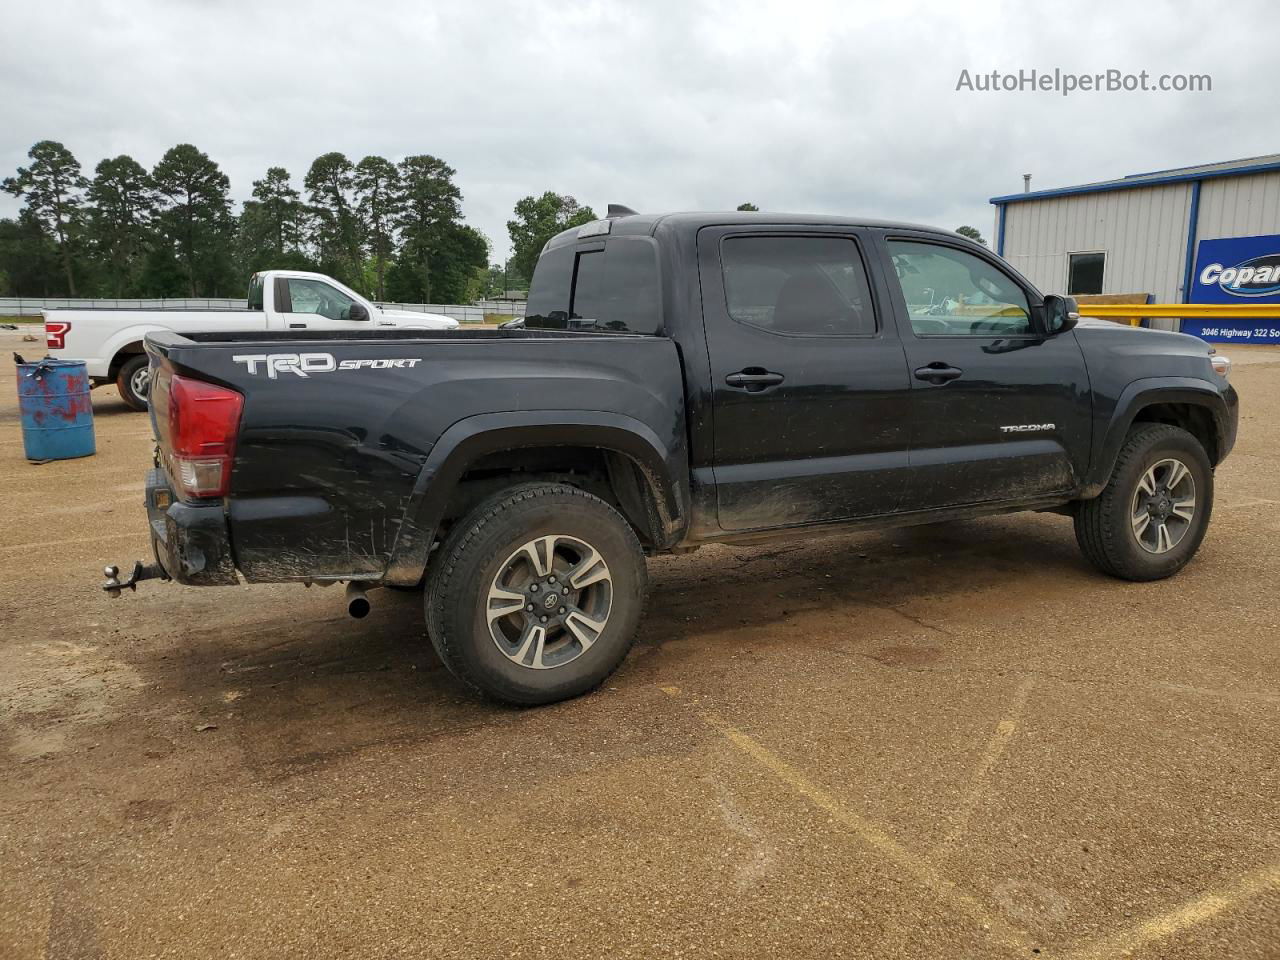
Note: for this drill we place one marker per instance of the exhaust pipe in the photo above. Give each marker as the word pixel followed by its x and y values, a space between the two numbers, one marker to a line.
pixel 358 605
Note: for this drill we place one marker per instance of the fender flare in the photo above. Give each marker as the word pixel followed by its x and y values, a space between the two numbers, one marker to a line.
pixel 1144 393
pixel 466 441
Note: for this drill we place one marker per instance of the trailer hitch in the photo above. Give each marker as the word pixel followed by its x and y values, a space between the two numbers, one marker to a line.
pixel 141 571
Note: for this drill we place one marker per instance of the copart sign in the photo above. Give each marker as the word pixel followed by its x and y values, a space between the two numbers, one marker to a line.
pixel 1236 270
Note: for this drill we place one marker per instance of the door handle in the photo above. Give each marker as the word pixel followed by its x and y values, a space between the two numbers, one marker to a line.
pixel 754 379
pixel 938 373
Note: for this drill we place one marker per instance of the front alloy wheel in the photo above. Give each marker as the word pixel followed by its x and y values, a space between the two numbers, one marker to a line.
pixel 1164 506
pixel 1150 518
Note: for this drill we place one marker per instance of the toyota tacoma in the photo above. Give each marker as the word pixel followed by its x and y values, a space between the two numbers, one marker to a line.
pixel 678 380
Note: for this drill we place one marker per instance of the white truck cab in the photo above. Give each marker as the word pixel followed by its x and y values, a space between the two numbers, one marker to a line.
pixel 109 340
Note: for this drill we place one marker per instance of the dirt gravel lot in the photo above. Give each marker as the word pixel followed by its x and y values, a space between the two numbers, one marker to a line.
pixel 951 741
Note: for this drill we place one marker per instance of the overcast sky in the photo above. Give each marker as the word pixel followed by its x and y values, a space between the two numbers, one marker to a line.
pixel 804 107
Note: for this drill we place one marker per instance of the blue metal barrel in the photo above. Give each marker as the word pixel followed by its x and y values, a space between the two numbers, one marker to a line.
pixel 57 416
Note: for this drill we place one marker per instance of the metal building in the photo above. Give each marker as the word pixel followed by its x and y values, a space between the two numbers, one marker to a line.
pixel 1205 234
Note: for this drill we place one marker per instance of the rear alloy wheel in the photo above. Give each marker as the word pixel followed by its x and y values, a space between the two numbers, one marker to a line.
pixel 1151 516
pixel 549 602
pixel 134 381
pixel 536 594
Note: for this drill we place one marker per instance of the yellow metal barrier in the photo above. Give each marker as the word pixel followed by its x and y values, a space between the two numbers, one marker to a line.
pixel 1134 312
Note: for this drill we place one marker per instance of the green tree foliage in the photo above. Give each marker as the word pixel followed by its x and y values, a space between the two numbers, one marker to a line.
pixel 461 256
pixel 430 203
pixel 391 230
pixel 499 278
pixel 537 220
pixel 378 201
pixel 274 226
pixel 283 213
pixel 195 219
pixel 330 187
pixel 748 207
pixel 52 188
pixel 122 205
pixel 972 233
pixel 30 258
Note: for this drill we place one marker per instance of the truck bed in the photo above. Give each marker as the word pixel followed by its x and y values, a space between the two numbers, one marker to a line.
pixel 365 421
pixel 383 333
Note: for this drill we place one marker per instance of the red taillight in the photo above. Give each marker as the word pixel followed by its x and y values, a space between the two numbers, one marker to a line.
pixel 203 420
pixel 55 333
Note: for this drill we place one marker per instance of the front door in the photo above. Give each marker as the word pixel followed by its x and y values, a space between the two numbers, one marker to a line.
pixel 809 382
pixel 998 410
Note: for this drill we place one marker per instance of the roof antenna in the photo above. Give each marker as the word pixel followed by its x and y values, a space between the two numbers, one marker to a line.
pixel 618 210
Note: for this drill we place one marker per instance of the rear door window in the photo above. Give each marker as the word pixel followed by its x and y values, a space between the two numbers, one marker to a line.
pixel 801 286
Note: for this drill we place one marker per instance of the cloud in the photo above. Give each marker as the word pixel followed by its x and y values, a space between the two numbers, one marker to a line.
pixel 796 106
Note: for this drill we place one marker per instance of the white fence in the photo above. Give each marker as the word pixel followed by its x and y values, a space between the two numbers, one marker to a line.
pixel 31 306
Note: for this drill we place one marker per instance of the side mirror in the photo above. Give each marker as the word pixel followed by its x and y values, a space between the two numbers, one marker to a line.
pixel 1060 314
pixel 357 312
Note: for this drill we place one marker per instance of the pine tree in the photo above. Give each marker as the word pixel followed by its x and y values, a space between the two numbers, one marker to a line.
pixel 196 218
pixel 123 203
pixel 330 185
pixel 53 188
pixel 378 200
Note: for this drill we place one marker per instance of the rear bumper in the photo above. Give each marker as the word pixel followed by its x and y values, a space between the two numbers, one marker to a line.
pixel 191 541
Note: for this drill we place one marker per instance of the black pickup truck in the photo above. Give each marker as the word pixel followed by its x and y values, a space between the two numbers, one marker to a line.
pixel 678 380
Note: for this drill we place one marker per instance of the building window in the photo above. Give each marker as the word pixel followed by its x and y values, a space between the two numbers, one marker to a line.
pixel 1084 275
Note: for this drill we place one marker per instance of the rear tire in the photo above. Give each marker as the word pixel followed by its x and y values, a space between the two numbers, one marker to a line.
pixel 1150 518
pixel 536 594
pixel 134 382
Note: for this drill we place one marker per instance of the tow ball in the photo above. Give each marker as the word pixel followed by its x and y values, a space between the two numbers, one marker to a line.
pixel 141 571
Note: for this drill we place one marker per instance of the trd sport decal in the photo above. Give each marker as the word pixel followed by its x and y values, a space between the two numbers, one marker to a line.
pixel 305 364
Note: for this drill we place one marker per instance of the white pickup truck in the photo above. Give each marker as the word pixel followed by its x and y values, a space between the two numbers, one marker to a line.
pixel 109 340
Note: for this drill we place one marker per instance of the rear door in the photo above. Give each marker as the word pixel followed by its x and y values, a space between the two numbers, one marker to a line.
pixel 809 383
pixel 998 410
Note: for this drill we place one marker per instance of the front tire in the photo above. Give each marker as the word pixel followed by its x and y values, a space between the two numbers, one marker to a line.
pixel 134 382
pixel 536 594
pixel 1150 518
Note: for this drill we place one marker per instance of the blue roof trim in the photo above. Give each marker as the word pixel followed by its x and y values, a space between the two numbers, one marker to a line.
pixel 1136 184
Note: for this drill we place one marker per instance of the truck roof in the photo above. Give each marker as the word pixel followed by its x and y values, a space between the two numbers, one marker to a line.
pixel 650 224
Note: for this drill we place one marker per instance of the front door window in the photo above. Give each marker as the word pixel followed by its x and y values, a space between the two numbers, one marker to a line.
pixel 950 293
pixel 318 297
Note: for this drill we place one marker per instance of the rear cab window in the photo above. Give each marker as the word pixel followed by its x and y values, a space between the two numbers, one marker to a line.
pixel 255 292
pixel 609 287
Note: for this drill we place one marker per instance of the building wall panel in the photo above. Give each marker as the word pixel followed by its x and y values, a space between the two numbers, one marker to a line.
pixel 1143 232
pixel 1246 206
